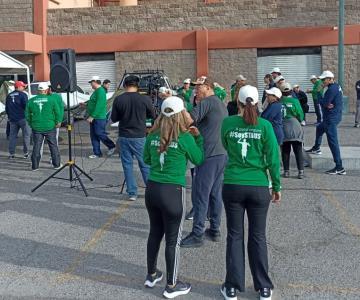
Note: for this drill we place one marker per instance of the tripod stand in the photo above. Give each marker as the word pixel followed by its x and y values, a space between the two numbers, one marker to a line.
pixel 74 171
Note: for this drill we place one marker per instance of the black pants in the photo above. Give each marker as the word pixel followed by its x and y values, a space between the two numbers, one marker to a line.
pixel 165 204
pixel 50 137
pixel 298 151
pixel 255 201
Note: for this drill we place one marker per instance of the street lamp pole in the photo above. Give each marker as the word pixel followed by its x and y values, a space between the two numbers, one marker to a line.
pixel 341 42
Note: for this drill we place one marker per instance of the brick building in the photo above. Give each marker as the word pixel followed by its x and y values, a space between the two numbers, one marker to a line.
pixel 186 38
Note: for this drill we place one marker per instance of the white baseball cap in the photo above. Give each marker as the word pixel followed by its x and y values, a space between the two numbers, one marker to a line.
pixel 187 80
pixel 274 91
pixel 296 86
pixel 326 74
pixel 276 70
pixel 313 77
pixel 163 90
pixel 176 104
pixel 285 87
pixel 94 78
pixel 240 77
pixel 43 86
pixel 248 91
pixel 277 79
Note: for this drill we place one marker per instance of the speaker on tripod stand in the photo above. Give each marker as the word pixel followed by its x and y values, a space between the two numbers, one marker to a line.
pixel 63 79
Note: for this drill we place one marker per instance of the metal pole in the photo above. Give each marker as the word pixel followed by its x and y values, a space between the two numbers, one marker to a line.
pixel 341 42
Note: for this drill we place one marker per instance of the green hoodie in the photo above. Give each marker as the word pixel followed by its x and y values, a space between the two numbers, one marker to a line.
pixel 43 113
pixel 317 89
pixel 220 93
pixel 170 167
pixel 292 108
pixel 252 151
pixel 96 107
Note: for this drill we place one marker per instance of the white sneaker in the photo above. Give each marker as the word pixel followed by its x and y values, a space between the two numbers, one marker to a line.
pixel 303 123
pixel 59 167
pixel 93 156
pixel 132 198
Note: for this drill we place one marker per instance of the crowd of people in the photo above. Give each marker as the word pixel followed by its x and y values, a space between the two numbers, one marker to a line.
pixel 234 151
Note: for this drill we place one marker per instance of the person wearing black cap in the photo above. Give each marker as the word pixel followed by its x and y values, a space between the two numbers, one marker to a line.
pixel 131 110
pixel 253 151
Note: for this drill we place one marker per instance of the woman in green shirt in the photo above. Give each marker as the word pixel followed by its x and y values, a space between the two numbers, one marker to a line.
pixel 169 145
pixel 293 115
pixel 253 151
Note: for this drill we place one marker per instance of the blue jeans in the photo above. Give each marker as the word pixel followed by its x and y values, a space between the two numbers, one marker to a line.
pixel 330 128
pixel 14 130
pixel 131 148
pixel 97 134
pixel 206 193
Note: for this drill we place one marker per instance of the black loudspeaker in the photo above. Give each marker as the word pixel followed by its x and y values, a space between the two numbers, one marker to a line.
pixel 63 70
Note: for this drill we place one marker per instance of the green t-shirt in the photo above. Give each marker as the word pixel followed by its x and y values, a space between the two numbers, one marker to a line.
pixel 220 93
pixel 96 107
pixel 252 151
pixel 170 167
pixel 317 89
pixel 59 101
pixel 186 94
pixel 43 113
pixel 291 108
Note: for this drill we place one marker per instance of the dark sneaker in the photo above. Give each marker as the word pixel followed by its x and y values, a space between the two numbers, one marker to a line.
pixel 213 235
pixel 301 174
pixel 179 289
pixel 58 167
pixel 229 293
pixel 286 174
pixel 265 294
pixel 151 280
pixel 11 157
pixel 26 155
pixel 111 151
pixel 190 215
pixel 192 241
pixel 336 171
pixel 314 151
pixel 357 125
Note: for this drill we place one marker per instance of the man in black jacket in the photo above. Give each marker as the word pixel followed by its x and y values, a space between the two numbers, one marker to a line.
pixel 303 99
pixel 131 110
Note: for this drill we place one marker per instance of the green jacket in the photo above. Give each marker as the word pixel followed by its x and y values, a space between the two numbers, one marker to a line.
pixel 317 89
pixel 252 151
pixel 220 93
pixel 186 94
pixel 292 108
pixel 96 107
pixel 43 113
pixel 170 167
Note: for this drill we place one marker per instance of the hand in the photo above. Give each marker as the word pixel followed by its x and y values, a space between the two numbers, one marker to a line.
pixel 330 106
pixel 82 104
pixel 194 131
pixel 276 197
pixel 90 119
pixel 58 125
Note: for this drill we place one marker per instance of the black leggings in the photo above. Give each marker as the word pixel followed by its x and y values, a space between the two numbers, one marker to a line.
pixel 298 151
pixel 255 201
pixel 165 204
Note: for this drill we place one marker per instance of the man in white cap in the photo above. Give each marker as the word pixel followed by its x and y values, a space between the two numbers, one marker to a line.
pixel 316 92
pixel 185 91
pixel 44 115
pixel 279 81
pixel 331 104
pixel 276 72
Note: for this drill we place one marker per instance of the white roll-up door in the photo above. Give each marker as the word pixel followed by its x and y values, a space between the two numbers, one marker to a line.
pixel 296 69
pixel 105 69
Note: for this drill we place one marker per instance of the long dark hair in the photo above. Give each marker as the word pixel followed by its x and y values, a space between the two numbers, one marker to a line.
pixel 250 114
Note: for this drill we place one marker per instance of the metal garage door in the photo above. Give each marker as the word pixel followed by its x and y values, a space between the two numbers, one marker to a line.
pixel 104 68
pixel 296 69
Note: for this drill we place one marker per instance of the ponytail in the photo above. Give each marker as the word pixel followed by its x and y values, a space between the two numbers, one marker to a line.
pixel 250 112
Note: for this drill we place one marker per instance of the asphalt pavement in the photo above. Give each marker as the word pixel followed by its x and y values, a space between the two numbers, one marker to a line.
pixel 57 244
